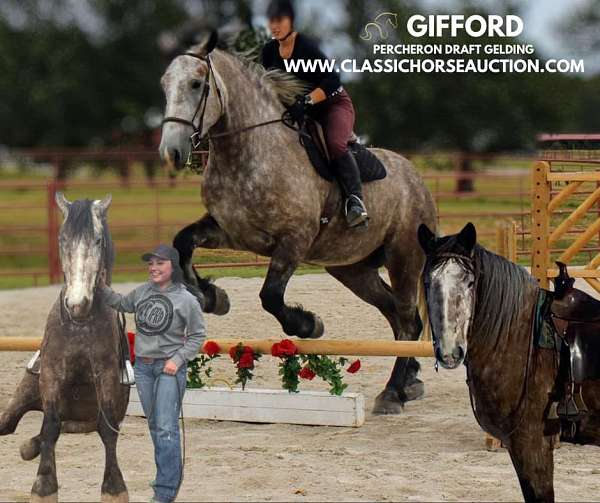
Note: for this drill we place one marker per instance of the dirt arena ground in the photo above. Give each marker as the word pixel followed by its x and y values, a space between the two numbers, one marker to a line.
pixel 433 451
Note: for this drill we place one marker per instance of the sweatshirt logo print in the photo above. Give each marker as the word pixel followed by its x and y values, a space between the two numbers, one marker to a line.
pixel 154 315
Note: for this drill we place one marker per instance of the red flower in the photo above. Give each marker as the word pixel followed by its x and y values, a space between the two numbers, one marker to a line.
pixel 131 339
pixel 233 352
pixel 247 349
pixel 276 349
pixel 354 366
pixel 287 348
pixel 211 348
pixel 306 373
pixel 246 361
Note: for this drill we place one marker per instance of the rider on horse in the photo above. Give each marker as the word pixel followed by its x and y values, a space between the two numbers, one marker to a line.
pixel 327 102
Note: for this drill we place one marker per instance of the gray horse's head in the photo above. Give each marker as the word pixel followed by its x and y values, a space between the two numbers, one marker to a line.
pixel 184 84
pixel 449 279
pixel 83 245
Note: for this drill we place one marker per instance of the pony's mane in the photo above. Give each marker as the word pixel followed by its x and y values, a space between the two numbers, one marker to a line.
pixel 503 289
pixel 79 222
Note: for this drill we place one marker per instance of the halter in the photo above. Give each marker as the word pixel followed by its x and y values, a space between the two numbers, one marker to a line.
pixel 195 159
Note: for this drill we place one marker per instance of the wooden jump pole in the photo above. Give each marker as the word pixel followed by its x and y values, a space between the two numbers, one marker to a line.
pixel 318 347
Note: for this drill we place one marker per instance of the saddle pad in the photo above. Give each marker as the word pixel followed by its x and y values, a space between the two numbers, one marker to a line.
pixel 370 167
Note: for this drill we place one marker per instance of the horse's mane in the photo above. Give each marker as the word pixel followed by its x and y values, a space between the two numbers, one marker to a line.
pixel 285 85
pixel 502 291
pixel 79 222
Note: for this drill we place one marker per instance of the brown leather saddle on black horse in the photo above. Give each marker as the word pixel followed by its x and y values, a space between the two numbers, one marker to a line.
pixel 575 317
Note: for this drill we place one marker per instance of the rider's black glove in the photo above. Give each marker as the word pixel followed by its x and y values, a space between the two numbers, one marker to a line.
pixel 297 111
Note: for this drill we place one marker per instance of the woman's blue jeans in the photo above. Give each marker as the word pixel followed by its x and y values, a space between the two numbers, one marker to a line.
pixel 161 395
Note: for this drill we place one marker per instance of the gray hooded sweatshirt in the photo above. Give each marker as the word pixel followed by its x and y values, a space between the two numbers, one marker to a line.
pixel 169 322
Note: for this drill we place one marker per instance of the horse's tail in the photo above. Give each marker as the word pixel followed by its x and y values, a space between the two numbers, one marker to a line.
pixel 422 308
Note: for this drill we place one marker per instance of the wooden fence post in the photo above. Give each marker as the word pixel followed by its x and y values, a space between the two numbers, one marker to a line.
pixel 54 269
pixel 540 195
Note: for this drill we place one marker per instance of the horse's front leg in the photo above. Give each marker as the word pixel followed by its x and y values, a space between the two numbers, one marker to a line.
pixel 294 319
pixel 45 487
pixel 205 233
pixel 533 458
pixel 25 398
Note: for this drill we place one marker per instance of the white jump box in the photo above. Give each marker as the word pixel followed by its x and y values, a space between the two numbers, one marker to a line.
pixel 268 406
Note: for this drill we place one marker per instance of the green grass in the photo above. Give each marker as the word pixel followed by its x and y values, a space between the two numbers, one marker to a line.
pixel 182 204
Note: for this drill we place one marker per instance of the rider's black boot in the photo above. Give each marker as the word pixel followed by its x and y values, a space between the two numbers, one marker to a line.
pixel 347 173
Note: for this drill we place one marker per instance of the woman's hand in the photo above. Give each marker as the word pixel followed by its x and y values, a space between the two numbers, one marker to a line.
pixel 170 367
pixel 297 110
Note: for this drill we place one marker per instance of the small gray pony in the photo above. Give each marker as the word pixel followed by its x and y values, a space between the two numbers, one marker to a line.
pixel 78 387
pixel 263 196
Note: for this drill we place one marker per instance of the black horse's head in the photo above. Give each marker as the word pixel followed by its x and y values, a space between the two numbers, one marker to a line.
pixel 449 279
pixel 84 245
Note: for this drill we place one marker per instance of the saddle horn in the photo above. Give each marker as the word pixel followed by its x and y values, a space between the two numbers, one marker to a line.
pixel 563 281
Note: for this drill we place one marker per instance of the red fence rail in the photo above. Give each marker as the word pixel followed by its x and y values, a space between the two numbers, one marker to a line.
pixel 441 185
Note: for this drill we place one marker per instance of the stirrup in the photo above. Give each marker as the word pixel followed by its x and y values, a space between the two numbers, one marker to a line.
pixel 362 218
pixel 31 365
pixel 127 374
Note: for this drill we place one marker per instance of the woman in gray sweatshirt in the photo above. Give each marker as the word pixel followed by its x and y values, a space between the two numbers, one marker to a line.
pixel 170 331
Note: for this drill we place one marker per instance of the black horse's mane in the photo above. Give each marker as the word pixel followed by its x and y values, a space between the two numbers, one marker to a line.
pixel 503 289
pixel 79 222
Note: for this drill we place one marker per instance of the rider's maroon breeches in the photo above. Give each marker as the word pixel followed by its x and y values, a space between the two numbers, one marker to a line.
pixel 336 115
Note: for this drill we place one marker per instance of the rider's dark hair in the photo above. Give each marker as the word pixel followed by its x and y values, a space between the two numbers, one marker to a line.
pixel 281 8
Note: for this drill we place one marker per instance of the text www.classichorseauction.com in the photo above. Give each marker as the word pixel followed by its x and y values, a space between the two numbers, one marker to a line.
pixel 486 56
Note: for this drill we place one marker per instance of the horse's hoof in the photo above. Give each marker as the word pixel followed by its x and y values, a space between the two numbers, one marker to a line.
pixel 115 498
pixel 45 485
pixel 51 498
pixel 30 449
pixel 318 329
pixel 221 301
pixel 387 402
pixel 415 390
pixel 6 427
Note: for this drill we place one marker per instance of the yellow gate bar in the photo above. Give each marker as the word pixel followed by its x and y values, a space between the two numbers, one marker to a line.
pixel 559 198
pixel 574 176
pixel 580 242
pixel 579 212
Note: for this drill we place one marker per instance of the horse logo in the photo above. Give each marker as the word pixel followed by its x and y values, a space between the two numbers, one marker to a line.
pixel 378 24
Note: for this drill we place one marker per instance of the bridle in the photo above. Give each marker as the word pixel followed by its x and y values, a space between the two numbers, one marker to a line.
pixel 201 107
pixel 195 159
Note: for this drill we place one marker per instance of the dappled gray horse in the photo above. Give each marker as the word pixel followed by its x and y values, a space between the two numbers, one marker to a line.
pixel 78 387
pixel 263 196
